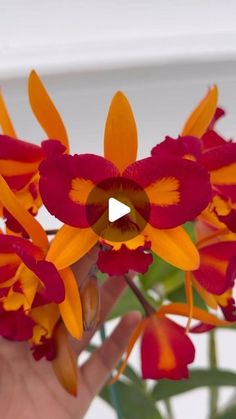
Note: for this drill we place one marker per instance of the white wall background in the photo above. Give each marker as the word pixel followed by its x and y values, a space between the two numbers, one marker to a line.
pixel 162 53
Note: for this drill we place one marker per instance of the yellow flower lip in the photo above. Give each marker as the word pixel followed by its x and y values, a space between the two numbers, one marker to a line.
pixel 126 192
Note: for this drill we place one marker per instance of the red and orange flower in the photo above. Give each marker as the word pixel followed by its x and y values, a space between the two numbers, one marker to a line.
pixel 188 179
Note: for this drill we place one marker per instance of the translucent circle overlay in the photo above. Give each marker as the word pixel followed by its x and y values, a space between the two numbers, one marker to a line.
pixel 129 193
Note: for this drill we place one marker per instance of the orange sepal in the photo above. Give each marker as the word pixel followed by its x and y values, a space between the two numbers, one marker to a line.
pixel 69 245
pixel 71 308
pixel 24 218
pixel 65 365
pixel 200 119
pixel 5 120
pixel 120 139
pixel 133 339
pixel 174 246
pixel 181 309
pixel 45 110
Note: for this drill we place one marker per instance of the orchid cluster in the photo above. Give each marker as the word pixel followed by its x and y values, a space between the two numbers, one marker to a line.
pixel 190 179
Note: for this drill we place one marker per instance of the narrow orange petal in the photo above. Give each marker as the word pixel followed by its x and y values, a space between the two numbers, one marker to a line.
pixel 174 246
pixel 133 339
pixel 25 219
pixel 199 120
pixel 70 308
pixel 189 297
pixel 65 365
pixel 5 120
pixel 45 111
pixel 17 168
pixel 198 314
pixel 120 139
pixel 69 245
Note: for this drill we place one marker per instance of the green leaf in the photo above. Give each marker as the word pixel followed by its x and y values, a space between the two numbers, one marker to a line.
pixel 157 271
pixel 198 378
pixel 178 296
pixel 134 377
pixel 189 227
pixel 229 413
pixel 127 302
pixel 134 402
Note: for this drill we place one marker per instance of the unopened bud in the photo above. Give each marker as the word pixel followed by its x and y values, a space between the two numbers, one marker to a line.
pixel 90 299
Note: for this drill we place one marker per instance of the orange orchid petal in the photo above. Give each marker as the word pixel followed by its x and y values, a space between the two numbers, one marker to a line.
pixel 174 246
pixel 13 301
pixel 189 298
pixel 65 365
pixel 198 314
pixel 133 339
pixel 45 111
pixel 71 308
pixel 120 139
pixel 225 175
pixel 25 219
pixel 5 120
pixel 200 118
pixel 46 317
pixel 69 245
pixel 15 168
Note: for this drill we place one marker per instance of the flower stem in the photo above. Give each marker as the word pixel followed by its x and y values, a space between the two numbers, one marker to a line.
pixel 213 364
pixel 112 389
pixel 149 310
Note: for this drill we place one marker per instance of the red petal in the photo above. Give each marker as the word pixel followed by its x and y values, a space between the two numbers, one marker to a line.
pixel 221 162
pixel 180 147
pixel 47 349
pixel 119 262
pixel 212 274
pixel 19 151
pixel 219 113
pixel 201 328
pixel 16 325
pixel 178 189
pixel 229 220
pixel 166 350
pixel 48 275
pixel 211 139
pixel 56 184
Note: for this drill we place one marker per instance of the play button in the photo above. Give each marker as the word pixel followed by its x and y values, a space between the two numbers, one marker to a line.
pixel 117 210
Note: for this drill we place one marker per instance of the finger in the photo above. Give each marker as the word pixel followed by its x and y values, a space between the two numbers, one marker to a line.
pixel 111 291
pixel 97 369
pixel 83 267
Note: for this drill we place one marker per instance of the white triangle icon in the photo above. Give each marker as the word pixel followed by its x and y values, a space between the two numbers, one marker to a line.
pixel 117 210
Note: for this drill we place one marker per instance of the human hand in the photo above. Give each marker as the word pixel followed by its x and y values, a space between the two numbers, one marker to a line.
pixel 29 389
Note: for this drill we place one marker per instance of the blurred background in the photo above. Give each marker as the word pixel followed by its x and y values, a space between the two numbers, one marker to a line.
pixel 163 54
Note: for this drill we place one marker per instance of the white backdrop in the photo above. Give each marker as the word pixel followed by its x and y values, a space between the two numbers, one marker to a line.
pixel 162 53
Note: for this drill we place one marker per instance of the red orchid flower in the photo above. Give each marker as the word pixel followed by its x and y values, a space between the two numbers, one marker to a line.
pixel 66 183
pixel 166 350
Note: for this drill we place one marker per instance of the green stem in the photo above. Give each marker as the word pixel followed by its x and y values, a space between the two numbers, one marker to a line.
pixel 214 393
pixel 112 389
pixel 169 409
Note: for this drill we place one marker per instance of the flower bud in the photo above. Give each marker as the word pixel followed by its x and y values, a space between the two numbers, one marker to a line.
pixel 90 299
